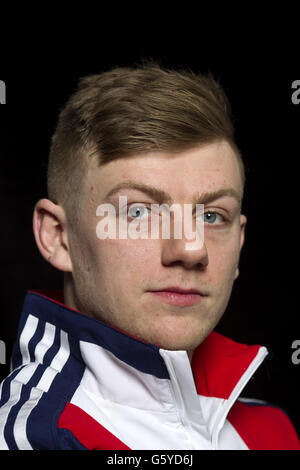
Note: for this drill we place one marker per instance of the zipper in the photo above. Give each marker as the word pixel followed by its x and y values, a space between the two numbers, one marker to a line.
pixel 180 404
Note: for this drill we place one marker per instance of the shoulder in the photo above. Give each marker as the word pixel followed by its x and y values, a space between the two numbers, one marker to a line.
pixel 30 410
pixel 263 426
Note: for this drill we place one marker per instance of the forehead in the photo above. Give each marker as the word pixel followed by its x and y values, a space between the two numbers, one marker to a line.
pixel 206 168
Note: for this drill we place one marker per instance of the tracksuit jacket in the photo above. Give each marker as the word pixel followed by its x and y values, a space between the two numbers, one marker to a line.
pixel 77 383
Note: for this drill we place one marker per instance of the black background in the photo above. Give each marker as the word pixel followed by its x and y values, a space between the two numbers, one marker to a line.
pixel 41 70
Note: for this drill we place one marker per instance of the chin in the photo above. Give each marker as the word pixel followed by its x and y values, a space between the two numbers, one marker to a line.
pixel 178 343
pixel 186 338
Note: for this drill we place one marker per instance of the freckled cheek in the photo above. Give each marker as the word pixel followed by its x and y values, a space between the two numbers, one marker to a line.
pixel 133 257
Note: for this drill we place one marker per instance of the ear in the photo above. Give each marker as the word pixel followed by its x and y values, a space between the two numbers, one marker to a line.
pixel 243 221
pixel 50 232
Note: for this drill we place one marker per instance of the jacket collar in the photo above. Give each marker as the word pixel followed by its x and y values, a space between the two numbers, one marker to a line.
pixel 219 371
pixel 218 363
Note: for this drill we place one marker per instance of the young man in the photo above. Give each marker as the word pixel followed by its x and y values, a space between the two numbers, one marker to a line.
pixel 128 358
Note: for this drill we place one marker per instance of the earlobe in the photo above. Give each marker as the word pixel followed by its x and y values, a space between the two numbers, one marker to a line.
pixel 243 221
pixel 49 228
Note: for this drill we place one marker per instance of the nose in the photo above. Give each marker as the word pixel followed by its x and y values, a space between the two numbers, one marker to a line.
pixel 189 252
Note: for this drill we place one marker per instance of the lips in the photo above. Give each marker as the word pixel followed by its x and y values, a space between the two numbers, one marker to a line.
pixel 178 296
pixel 179 290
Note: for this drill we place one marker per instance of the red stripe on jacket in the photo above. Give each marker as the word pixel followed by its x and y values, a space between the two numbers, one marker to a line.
pixel 88 431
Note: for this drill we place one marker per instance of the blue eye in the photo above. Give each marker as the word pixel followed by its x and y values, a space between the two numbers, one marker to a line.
pixel 210 217
pixel 138 211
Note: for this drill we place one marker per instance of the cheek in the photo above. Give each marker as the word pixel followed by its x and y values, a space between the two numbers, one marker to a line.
pixel 127 258
pixel 223 254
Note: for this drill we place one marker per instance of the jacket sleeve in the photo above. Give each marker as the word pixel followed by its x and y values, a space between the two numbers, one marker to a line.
pixel 263 426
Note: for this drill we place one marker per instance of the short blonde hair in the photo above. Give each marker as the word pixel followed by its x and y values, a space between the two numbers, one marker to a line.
pixel 133 110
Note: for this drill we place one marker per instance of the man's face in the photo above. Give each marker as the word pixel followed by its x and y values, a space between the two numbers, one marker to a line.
pixel 123 282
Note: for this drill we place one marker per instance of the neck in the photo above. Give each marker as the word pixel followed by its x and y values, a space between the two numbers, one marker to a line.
pixel 190 354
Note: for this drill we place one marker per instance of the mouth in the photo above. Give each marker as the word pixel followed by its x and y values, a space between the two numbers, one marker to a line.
pixel 178 296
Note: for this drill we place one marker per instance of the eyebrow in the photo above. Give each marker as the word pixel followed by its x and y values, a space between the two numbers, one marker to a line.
pixel 162 197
